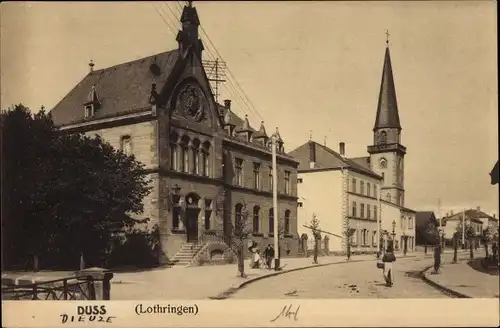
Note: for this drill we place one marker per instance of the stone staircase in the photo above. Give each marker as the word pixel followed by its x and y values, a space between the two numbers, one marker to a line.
pixel 186 254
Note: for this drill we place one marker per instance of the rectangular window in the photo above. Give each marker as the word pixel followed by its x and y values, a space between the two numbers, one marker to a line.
pixel 354 237
pixel 299 180
pixel 374 237
pixel 354 209
pixel 410 223
pixel 287 182
pixel 238 169
pixel 362 214
pixel 375 191
pixel 256 176
pixel 300 204
pixel 375 212
pixel 362 187
pixel 368 211
pixel 368 191
pixel 126 145
pixel 287 226
pixel 353 185
pixel 402 222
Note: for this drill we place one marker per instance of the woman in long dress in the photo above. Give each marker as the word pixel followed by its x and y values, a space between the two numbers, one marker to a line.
pixel 388 259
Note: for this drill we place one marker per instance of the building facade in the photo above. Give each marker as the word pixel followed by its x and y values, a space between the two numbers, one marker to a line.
pixel 208 166
pixel 355 185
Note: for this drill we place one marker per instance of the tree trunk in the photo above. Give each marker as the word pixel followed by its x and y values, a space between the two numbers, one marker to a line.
pixel 241 260
pixel 35 263
pixel 471 250
pixel 315 251
pixel 405 246
pixel 348 250
pixel 455 250
pixel 425 247
pixel 486 249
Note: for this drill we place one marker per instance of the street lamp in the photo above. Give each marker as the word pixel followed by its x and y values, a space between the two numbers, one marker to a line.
pixel 274 140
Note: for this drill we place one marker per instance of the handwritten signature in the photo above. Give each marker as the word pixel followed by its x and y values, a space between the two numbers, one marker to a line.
pixel 287 312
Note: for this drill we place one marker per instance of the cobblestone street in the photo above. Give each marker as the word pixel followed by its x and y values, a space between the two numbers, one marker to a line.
pixel 352 280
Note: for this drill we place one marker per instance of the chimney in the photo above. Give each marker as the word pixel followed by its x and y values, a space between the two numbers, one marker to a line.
pixel 91 66
pixel 227 104
pixel 312 154
pixel 342 149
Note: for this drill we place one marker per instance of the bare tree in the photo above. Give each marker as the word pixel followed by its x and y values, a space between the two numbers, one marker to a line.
pixel 470 236
pixel 314 225
pixel 349 233
pixel 241 230
pixel 487 237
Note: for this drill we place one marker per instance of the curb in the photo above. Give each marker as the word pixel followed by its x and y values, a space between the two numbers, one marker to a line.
pixel 445 290
pixel 233 289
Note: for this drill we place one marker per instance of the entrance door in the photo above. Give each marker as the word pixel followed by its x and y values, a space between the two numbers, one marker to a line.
pixel 192 224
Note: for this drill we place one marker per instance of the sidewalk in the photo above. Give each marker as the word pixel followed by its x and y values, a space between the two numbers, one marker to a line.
pixel 208 281
pixel 463 279
pixel 194 282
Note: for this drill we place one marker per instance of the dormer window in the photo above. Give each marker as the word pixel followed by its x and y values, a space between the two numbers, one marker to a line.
pixel 89 111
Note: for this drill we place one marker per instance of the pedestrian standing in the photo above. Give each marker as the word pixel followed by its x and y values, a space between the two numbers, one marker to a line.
pixel 388 259
pixel 269 254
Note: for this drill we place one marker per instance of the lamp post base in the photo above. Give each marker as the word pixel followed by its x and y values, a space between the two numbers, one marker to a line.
pixel 277 265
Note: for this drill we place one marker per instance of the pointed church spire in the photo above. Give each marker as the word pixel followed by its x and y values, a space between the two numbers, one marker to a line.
pixel 387 109
pixel 188 36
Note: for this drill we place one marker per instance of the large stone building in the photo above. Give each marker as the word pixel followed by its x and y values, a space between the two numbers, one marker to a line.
pixel 344 192
pixel 207 165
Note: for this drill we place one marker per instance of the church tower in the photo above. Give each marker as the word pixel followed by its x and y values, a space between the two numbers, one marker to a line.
pixel 387 153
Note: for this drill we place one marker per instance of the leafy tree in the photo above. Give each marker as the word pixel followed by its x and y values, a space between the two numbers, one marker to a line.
pixel 64 195
pixel 314 225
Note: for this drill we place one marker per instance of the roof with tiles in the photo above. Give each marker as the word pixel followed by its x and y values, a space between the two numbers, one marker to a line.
pixel 326 158
pixel 122 88
pixel 363 161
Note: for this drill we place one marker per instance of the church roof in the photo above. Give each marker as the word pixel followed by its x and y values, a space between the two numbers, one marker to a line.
pixel 387 108
pixel 326 159
pixel 122 88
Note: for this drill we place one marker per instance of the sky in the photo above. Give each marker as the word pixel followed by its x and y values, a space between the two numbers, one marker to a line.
pixel 306 67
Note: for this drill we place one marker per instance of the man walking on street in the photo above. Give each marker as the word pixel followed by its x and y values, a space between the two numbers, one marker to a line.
pixel 269 254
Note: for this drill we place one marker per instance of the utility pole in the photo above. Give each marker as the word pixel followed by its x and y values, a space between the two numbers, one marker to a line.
pixel 379 218
pixel 215 70
pixel 275 205
pixel 463 229
pixel 441 236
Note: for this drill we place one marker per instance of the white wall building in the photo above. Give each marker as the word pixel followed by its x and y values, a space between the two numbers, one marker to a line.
pixel 343 192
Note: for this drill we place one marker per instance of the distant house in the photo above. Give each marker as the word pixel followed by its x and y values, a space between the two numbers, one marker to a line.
pixel 479 220
pixel 425 221
pixel 494 174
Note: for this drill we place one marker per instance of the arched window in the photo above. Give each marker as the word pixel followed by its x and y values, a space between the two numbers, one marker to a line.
pixel 184 155
pixel 237 217
pixel 195 149
pixel 271 220
pixel 287 222
pixel 256 219
pixel 383 137
pixel 388 197
pixel 205 152
pixel 174 152
pixel 383 163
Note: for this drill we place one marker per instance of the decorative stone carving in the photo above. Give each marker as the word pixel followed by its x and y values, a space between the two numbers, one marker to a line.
pixel 190 102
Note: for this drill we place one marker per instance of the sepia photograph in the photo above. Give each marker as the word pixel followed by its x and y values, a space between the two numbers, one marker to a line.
pixel 237 150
